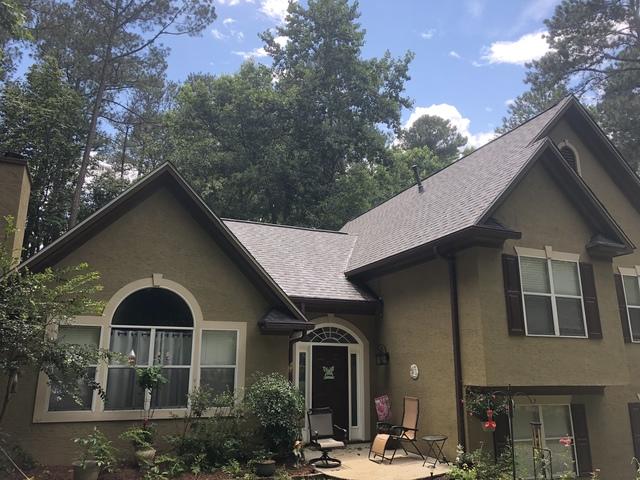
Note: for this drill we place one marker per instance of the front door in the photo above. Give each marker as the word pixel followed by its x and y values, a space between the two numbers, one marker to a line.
pixel 330 377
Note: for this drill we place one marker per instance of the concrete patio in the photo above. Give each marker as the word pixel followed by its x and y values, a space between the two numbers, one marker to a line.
pixel 357 466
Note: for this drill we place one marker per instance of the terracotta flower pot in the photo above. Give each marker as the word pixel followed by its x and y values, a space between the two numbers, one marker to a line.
pixel 265 468
pixel 145 457
pixel 87 470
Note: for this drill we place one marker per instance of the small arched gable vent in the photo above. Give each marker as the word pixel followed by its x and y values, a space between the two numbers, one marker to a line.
pixel 569 155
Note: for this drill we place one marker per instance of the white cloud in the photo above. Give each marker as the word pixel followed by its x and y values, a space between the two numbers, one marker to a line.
pixel 454 54
pixel 217 34
pixel 528 47
pixel 488 109
pixel 508 102
pixel 428 34
pixel 228 21
pixel 276 9
pixel 451 113
pixel 259 52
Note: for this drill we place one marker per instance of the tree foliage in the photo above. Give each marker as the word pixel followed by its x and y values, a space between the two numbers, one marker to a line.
pixel 529 104
pixel 12 28
pixel 437 134
pixel 33 305
pixel 595 53
pixel 42 119
pixel 109 49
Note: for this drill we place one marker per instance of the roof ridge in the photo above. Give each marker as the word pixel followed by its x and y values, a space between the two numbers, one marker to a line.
pixel 294 227
pixel 463 157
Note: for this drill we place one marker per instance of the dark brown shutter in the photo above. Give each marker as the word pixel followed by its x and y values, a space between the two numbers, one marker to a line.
pixel 500 434
pixel 622 307
pixel 581 439
pixel 634 417
pixel 590 298
pixel 513 293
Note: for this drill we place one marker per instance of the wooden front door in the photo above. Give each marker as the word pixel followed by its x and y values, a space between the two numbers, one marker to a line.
pixel 330 381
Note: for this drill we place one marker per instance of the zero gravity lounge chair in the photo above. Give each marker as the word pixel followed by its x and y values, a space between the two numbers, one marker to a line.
pixel 322 433
pixel 406 432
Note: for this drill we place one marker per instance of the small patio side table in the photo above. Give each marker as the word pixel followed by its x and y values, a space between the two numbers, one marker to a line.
pixel 435 444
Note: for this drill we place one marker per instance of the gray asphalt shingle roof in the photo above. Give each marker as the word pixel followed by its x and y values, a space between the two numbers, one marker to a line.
pixel 453 199
pixel 304 262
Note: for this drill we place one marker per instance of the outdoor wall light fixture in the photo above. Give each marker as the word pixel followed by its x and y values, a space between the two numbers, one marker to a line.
pixel 382 356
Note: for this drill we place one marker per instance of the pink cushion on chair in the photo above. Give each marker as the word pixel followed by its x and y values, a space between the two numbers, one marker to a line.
pixel 383 408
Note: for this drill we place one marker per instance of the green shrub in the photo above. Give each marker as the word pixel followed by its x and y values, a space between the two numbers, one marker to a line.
pixel 141 437
pixel 481 465
pixel 96 446
pixel 206 443
pixel 278 407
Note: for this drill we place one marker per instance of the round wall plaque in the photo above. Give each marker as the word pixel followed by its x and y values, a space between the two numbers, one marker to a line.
pixel 414 372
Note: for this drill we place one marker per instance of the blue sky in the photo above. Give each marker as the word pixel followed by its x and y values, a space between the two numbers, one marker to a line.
pixel 469 60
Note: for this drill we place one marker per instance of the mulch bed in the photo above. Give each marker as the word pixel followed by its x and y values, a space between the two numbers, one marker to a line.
pixel 64 472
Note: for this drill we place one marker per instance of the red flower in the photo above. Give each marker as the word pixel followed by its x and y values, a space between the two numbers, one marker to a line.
pixel 566 441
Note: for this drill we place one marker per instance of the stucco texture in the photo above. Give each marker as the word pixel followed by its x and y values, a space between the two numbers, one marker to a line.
pixel 416 329
pixel 158 235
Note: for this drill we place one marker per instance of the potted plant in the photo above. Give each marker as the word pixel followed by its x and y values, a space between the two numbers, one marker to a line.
pixel 98 455
pixel 141 437
pixel 263 463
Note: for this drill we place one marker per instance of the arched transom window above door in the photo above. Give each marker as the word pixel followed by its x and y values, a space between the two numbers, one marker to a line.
pixel 329 335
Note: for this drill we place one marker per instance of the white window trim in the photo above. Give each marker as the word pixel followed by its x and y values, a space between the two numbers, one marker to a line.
pixel 360 349
pixel 41 413
pixel 544 437
pixel 549 254
pixel 630 272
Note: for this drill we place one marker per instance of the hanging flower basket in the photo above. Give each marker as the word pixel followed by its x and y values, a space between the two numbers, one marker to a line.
pixel 489 426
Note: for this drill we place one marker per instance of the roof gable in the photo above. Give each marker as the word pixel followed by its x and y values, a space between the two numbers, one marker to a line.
pixel 461 198
pixel 167 176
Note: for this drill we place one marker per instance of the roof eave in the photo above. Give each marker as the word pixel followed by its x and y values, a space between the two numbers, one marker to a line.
pixel 475 235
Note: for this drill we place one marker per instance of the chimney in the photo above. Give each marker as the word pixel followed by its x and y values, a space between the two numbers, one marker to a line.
pixel 416 175
pixel 15 188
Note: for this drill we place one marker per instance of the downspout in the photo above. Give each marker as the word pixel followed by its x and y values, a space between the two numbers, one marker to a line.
pixel 455 336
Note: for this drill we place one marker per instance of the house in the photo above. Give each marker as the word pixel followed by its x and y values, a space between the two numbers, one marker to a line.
pixel 515 268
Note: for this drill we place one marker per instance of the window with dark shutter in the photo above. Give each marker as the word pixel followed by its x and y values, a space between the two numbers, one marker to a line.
pixel 622 308
pixel 581 439
pixel 590 299
pixel 634 417
pixel 513 294
pixel 569 155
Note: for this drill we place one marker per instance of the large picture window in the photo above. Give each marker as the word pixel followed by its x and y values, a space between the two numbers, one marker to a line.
pixel 556 425
pixel 148 324
pixel 632 297
pixel 150 327
pixel 552 296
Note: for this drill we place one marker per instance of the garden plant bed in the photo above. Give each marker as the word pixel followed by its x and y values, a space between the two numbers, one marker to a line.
pixel 65 472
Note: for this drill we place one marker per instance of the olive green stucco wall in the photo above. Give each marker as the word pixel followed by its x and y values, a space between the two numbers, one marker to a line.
pixel 416 329
pixel 156 236
pixel 609 417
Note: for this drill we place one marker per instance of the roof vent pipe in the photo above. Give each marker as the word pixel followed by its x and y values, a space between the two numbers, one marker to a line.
pixel 416 174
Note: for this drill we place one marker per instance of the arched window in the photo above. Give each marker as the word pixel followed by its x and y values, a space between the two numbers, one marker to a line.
pixel 570 156
pixel 152 326
pixel 329 335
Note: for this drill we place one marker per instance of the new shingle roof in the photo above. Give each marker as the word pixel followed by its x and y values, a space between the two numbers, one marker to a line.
pixel 454 198
pixel 306 263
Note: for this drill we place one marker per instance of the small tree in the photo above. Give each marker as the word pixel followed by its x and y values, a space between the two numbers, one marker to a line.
pixel 279 408
pixel 32 307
